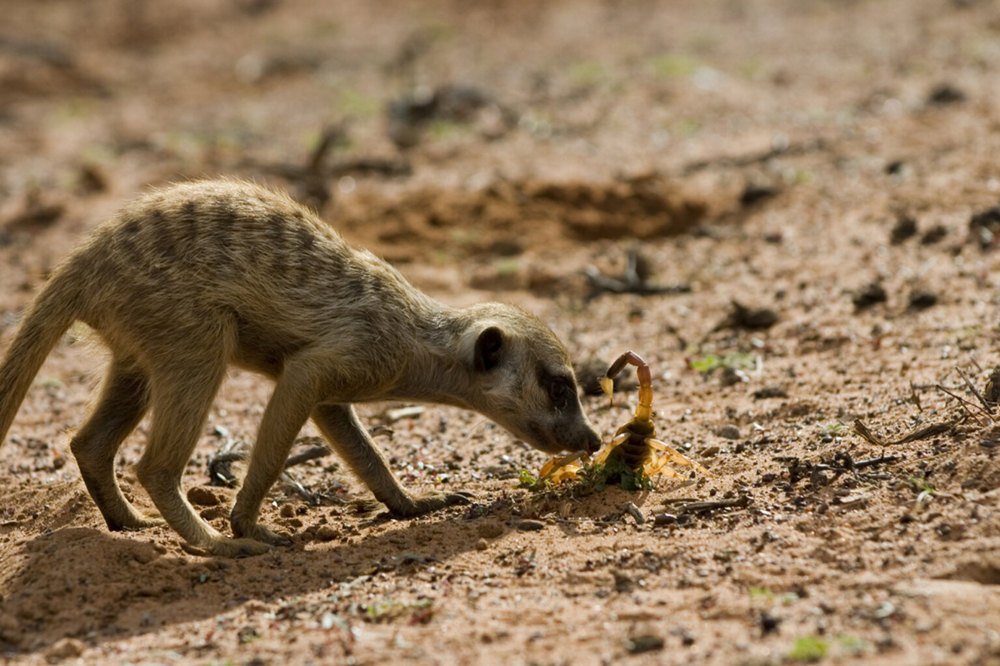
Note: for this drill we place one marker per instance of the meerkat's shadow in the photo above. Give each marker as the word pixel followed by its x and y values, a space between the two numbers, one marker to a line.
pixel 102 587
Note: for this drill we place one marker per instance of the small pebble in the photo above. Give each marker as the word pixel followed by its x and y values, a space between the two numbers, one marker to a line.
pixel 922 299
pixel 662 519
pixel 869 295
pixel 646 643
pixel 67 648
pixel 635 512
pixel 202 496
pixel 729 432
pixel 490 530
pixel 327 533
pixel 530 525
pixel 770 392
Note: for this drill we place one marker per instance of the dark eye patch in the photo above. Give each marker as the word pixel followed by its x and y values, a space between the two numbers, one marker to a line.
pixel 560 389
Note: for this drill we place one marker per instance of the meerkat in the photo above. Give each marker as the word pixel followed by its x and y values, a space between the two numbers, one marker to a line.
pixel 186 281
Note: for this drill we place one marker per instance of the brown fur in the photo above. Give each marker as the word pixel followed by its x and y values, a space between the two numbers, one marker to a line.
pixel 188 280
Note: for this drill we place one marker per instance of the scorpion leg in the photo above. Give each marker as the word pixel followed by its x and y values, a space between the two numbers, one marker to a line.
pixel 612 445
pixel 670 455
pixel 567 464
pixel 658 465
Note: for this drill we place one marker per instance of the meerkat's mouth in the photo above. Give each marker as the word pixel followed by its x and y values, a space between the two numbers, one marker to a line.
pixel 550 441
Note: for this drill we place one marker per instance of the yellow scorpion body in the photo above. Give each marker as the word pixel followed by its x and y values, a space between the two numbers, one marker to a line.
pixel 635 442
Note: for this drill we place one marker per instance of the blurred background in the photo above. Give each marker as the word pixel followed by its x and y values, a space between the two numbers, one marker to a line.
pixel 443 132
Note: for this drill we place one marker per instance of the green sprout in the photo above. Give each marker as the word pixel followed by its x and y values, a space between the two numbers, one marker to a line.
pixel 711 362
pixel 808 648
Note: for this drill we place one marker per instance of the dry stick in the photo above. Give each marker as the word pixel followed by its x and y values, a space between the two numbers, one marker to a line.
pixel 930 431
pixel 924 433
pixel 965 404
pixel 975 392
pixel 915 397
pixel 975 362
pixel 311 453
pixel 740 502
pixel 861 464
pixel 862 430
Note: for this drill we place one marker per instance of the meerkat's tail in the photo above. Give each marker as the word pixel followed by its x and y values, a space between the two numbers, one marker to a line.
pixel 46 320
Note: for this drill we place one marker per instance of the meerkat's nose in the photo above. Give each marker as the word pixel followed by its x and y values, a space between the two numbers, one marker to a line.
pixel 592 442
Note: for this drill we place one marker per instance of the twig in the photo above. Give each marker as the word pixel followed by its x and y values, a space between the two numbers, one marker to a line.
pixel 861 429
pixel 965 403
pixel 754 158
pixel 309 496
pixel 930 431
pixel 309 454
pixel 632 281
pixel 975 392
pixel 861 464
pixel 924 433
pixel 915 397
pixel 740 502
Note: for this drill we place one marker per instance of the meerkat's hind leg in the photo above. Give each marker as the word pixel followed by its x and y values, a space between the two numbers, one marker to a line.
pixel 123 402
pixel 340 425
pixel 181 398
pixel 287 411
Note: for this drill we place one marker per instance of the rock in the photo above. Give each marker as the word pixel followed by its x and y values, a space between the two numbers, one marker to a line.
pixel 921 299
pixel 731 376
pixel 530 525
pixel 770 392
pixel 934 234
pixel 67 648
pixel 869 295
pixel 944 94
pixel 904 229
pixel 645 643
pixel 203 496
pixel 661 519
pixel 754 193
pixel 984 226
pixel 327 533
pixel 752 319
pixel 729 432
pixel 491 529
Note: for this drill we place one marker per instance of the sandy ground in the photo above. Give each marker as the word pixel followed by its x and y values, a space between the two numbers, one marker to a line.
pixel 824 161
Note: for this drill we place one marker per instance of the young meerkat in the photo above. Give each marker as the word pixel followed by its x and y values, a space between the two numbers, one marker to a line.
pixel 188 280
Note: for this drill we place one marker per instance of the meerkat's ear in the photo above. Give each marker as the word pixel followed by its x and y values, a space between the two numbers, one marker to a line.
pixel 489 347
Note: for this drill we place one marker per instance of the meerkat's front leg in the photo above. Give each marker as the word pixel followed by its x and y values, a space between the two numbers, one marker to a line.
pixel 340 425
pixel 287 411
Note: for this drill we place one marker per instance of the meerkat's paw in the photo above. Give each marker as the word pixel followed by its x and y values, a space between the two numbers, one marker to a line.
pixel 142 523
pixel 430 503
pixel 226 547
pixel 260 533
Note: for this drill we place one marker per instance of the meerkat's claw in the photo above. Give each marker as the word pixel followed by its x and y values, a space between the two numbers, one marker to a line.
pixel 460 497
pixel 246 548
pixel 264 535
pixel 428 504
pixel 142 524
pixel 225 547
pixel 247 530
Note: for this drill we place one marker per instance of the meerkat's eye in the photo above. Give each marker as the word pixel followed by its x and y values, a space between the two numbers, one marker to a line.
pixel 560 391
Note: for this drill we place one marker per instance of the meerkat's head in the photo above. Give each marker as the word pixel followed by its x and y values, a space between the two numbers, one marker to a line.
pixel 524 380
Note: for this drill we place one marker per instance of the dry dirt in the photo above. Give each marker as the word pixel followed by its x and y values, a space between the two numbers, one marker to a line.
pixel 792 155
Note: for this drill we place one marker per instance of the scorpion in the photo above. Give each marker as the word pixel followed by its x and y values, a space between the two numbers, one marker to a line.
pixel 634 443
